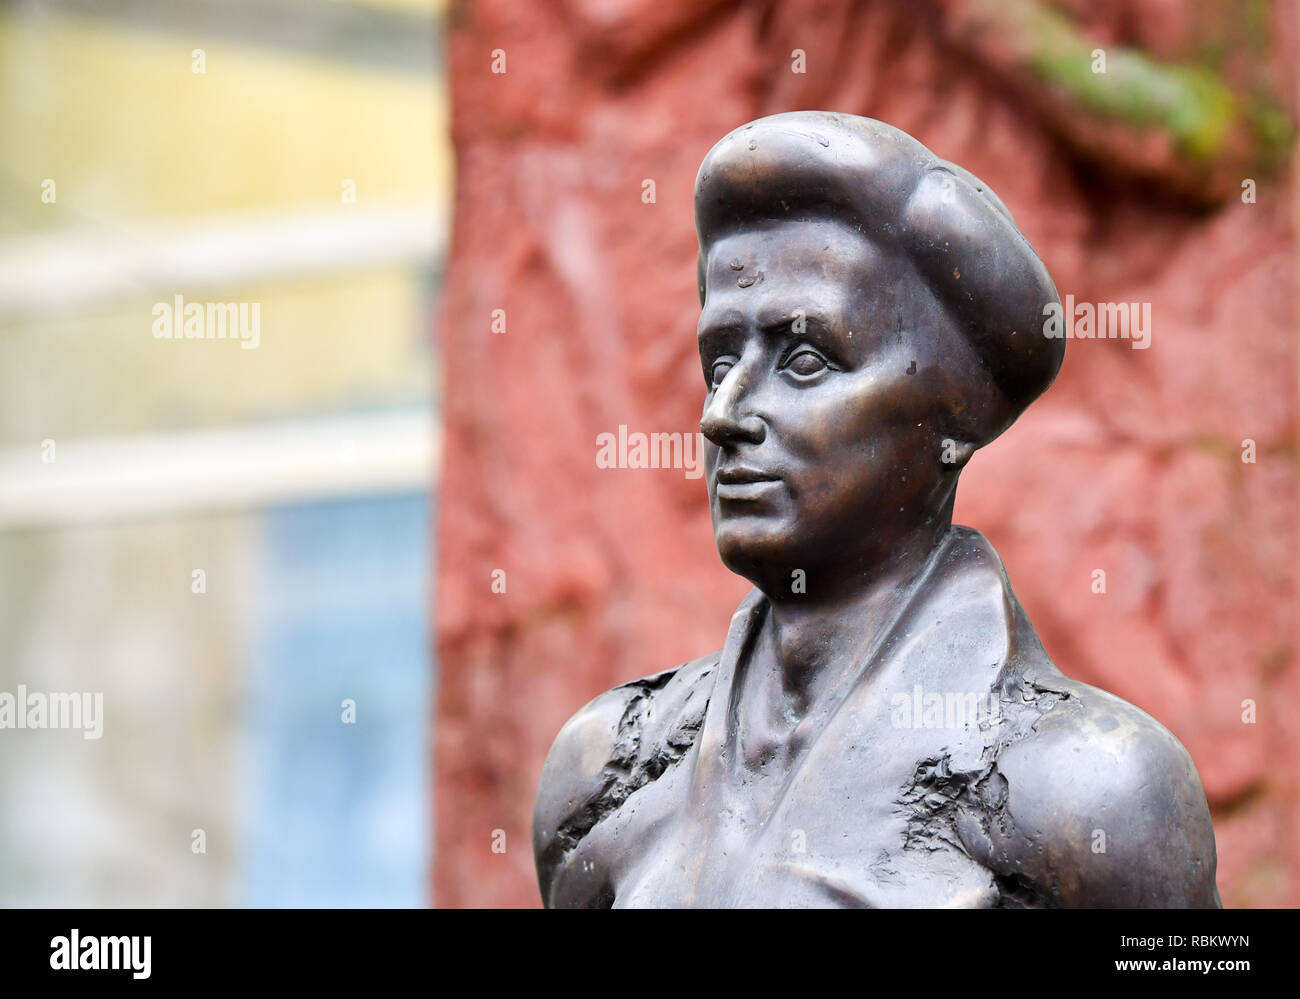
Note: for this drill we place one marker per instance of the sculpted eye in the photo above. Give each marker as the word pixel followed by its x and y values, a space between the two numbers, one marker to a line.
pixel 806 362
pixel 719 371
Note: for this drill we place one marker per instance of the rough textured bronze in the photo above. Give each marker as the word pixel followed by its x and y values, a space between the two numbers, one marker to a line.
pixel 882 726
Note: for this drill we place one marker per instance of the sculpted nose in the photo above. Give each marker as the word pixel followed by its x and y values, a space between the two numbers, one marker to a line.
pixel 725 420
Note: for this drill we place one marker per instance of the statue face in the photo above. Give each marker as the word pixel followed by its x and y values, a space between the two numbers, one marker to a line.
pixel 827 402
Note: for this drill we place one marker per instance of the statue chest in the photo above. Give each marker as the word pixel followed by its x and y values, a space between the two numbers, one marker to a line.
pixel 855 826
pixel 885 800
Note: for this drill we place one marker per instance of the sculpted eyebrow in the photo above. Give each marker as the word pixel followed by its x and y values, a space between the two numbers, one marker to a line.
pixel 778 324
pixel 816 329
pixel 727 330
pixel 719 334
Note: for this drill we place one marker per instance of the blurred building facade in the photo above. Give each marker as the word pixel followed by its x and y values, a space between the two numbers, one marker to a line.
pixel 228 539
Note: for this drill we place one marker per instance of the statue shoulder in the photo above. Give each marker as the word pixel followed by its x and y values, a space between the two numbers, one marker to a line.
pixel 1103 807
pixel 615 730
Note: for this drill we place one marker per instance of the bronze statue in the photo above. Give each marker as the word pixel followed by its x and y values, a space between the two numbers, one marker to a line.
pixel 882 726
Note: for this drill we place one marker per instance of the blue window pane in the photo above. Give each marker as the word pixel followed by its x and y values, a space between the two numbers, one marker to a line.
pixel 337 813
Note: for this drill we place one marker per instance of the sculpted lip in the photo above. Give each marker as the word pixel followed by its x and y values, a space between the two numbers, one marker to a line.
pixel 738 474
pixel 742 483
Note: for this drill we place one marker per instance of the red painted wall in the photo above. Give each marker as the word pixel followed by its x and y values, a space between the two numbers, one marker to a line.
pixel 1132 463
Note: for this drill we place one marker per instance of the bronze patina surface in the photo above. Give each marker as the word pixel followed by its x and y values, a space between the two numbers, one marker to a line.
pixel 882 726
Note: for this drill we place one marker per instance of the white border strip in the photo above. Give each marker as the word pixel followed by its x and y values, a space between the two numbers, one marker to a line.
pixel 95 481
pixel 68 269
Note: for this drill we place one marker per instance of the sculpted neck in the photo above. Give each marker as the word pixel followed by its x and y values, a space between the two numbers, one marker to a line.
pixel 815 635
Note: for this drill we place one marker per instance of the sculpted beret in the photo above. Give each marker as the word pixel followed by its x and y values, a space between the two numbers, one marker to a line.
pixel 961 239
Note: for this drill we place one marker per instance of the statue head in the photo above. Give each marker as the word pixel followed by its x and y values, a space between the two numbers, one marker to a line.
pixel 870 317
